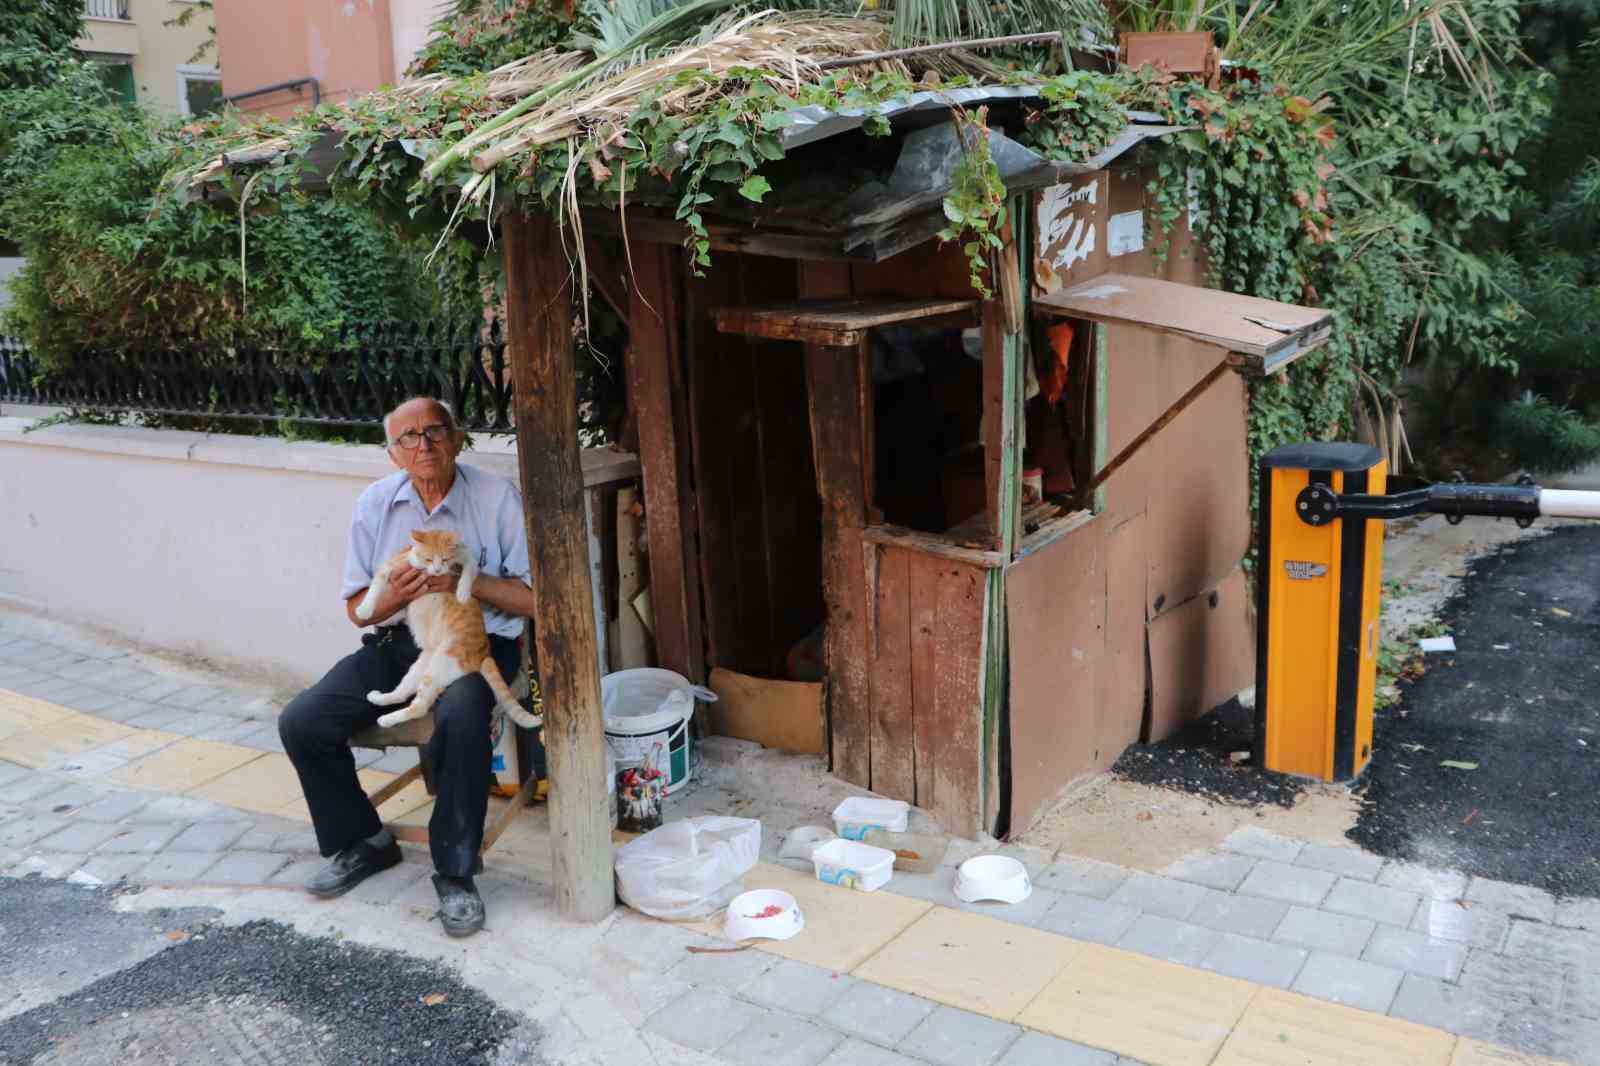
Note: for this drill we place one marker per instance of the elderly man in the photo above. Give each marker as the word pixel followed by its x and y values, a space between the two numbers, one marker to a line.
pixel 431 491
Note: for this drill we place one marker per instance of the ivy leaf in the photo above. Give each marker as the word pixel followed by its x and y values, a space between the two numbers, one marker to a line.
pixel 754 188
pixel 954 213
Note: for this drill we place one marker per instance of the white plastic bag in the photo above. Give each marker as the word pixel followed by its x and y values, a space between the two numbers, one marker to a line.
pixel 687 869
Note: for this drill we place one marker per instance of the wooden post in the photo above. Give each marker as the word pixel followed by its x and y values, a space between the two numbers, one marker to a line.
pixel 544 381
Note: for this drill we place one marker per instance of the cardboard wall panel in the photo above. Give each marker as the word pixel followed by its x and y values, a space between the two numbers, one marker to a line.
pixel 1124 677
pixel 1202 653
pixel 1056 624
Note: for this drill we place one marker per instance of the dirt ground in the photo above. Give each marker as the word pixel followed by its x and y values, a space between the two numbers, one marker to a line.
pixel 1150 826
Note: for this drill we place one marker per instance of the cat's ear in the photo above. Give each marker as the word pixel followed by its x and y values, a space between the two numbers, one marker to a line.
pixel 416 535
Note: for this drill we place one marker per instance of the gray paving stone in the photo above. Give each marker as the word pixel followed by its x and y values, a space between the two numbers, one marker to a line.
pixel 144 838
pixel 1291 884
pixel 248 867
pixel 89 765
pixel 1029 912
pixel 859 1053
pixel 156 688
pixel 85 671
pixel 66 798
pixel 1519 901
pixel 1578 912
pixel 1430 1001
pixel 704 1019
pixel 159 716
pixel 950 1037
pixel 1037 1049
pixel 187 809
pixel 1241 915
pixel 1362 899
pixel 1478 927
pixel 1346 862
pixel 177 866
pixel 126 710
pixel 1260 961
pixel 50 689
pixel 1083 918
pixel 1415 953
pixel 1161 896
pixel 392 883
pixel 731 973
pixel 77 837
pixel 781 1040
pixel 878 1014
pixel 1517 982
pixel 30 786
pixel 396 760
pixel 231 733
pixel 23 830
pixel 298 840
pixel 936 887
pixel 301 871
pixel 113 868
pixel 1552 943
pixel 1221 870
pixel 1363 985
pixel 195 697
pixel 1082 877
pixel 1335 934
pixel 96 702
pixel 262 738
pixel 52 865
pixel 209 836
pixel 1425 882
pixel 1580 993
pixel 1249 840
pixel 10 773
pixel 260 838
pixel 194 723
pixel 1036 860
pixel 1174 941
pixel 798 988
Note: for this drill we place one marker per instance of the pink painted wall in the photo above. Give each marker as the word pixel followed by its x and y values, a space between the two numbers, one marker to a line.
pixel 347 45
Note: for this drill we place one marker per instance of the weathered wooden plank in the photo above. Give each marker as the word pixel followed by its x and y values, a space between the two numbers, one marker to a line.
pixel 642 227
pixel 923 572
pixel 943 547
pixel 893 722
pixel 958 700
pixel 834 323
pixel 544 376
pixel 656 390
pixel 833 383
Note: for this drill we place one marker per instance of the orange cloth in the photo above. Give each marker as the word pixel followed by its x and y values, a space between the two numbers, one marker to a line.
pixel 1055 381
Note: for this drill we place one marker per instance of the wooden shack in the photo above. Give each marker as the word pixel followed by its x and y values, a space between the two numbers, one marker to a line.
pixel 834 430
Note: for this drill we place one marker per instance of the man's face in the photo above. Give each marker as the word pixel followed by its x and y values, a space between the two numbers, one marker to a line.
pixel 417 423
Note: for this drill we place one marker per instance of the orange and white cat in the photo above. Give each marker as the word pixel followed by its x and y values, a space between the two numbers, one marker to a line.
pixel 448 629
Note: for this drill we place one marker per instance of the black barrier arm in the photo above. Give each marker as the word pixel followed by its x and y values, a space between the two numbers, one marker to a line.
pixel 1317 505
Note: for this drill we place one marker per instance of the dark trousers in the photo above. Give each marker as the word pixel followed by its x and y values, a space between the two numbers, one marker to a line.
pixel 317 725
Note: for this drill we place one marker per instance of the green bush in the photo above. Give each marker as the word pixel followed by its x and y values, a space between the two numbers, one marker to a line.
pixel 1544 438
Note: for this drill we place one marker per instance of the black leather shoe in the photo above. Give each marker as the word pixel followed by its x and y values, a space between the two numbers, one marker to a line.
pixel 460 907
pixel 352 866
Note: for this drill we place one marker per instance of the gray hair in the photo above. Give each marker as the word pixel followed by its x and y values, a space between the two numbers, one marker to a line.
pixel 449 415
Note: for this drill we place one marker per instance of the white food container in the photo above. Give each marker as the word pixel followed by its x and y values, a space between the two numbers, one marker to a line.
pixel 748 917
pixel 859 815
pixel 851 864
pixel 995 877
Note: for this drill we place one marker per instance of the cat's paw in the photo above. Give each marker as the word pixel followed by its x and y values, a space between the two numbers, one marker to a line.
pixel 364 610
pixel 376 697
pixel 393 718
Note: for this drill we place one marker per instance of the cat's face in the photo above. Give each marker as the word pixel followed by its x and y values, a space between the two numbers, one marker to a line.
pixel 434 551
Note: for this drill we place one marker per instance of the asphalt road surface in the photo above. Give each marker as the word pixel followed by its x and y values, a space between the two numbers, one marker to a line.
pixel 1520 698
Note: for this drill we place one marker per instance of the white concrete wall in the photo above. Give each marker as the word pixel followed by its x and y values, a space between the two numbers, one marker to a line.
pixel 229 548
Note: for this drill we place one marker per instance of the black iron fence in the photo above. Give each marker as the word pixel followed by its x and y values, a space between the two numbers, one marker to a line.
pixel 354 382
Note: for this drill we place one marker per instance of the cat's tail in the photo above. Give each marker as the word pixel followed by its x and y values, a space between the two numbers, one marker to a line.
pixel 504 700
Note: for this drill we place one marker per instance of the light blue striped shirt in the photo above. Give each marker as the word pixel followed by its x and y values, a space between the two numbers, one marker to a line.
pixel 483 509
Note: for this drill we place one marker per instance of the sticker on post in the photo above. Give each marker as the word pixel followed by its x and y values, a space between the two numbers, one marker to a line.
pixel 1125 233
pixel 1299 571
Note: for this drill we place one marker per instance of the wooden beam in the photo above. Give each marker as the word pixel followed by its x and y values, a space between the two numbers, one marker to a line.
pixel 544 380
pixel 840 323
pixel 834 390
pixel 657 391
pixel 643 228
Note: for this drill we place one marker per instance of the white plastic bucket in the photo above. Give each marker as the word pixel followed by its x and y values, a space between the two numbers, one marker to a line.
pixel 645 707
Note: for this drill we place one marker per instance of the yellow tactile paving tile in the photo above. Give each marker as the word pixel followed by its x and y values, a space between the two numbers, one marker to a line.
pixel 1146 1009
pixel 1285 1029
pixel 971 962
pixel 408 799
pixel 25 711
pixel 1471 1052
pixel 265 785
pixel 844 927
pixel 140 742
pixel 183 766
pixel 47 742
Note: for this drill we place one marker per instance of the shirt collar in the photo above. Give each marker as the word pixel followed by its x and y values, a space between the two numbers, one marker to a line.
pixel 452 501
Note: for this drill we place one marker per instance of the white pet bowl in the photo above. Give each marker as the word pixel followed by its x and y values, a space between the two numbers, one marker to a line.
pixel 744 921
pixel 803 840
pixel 993 877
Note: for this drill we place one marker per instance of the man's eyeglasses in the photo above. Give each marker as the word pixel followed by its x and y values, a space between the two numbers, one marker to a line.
pixel 411 439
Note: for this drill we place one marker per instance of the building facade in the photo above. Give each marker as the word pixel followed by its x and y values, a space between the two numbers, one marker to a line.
pixel 151 60
pixel 298 53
